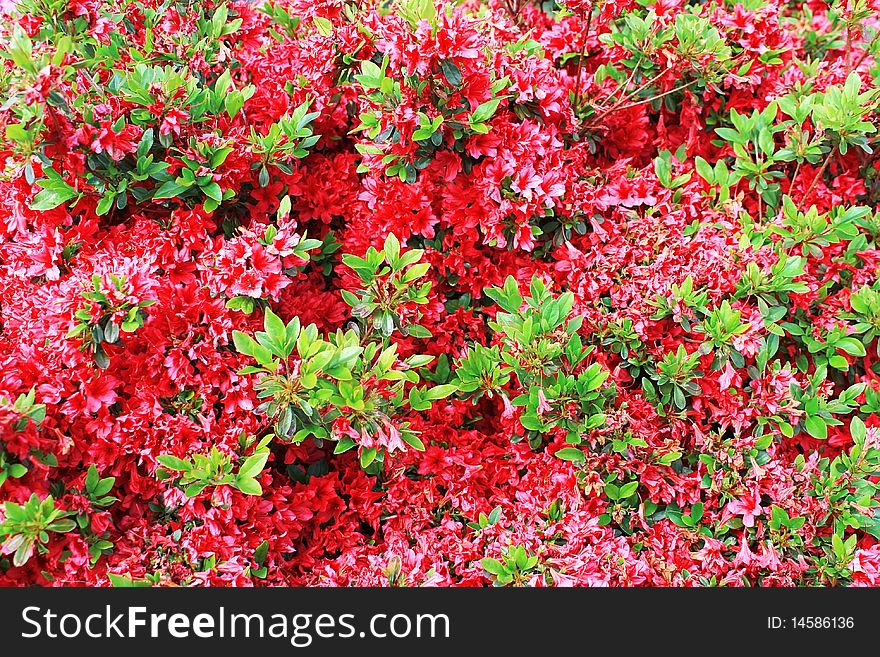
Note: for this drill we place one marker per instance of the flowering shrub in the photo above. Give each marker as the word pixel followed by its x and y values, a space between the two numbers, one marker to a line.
pixel 498 292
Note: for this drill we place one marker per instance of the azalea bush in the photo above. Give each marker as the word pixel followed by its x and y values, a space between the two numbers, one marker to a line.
pixel 483 293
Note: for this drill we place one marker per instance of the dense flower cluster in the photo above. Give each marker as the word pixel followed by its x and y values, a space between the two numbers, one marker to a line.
pixel 498 292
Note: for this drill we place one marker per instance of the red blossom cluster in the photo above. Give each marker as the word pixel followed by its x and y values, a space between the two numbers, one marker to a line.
pixel 504 292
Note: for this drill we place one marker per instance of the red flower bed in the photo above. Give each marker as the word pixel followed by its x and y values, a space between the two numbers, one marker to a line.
pixel 465 293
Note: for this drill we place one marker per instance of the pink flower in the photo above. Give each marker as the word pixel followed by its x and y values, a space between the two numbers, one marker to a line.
pixel 172 120
pixel 748 506
pixel 543 404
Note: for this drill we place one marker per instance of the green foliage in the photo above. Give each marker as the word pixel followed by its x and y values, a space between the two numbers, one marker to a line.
pixel 96 490
pixel 830 349
pixel 803 143
pixel 94 333
pixel 619 336
pixel 484 521
pixel 442 125
pixel 753 144
pixel 10 470
pixel 94 71
pixel 720 326
pixel 843 112
pixel 719 177
pixel 515 569
pixel 812 231
pixel 674 379
pixel 55 191
pixel 286 140
pixel 27 410
pixel 27 527
pixel 348 386
pixel 197 179
pixel 390 288
pixel 663 167
pixel 480 372
pixel 817 410
pixel 773 287
pixel 201 471
pixel 689 520
pixel 541 350
pixel 847 483
pixel 623 501
pixel 865 304
pixel 128 582
pixel 681 297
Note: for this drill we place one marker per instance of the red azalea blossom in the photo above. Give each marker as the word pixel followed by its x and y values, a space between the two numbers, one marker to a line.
pixel 402 292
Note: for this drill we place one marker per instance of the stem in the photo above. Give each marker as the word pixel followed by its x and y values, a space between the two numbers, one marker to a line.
pixel 583 53
pixel 818 175
pixel 631 77
pixel 643 101
pixel 630 96
pixel 513 8
pixel 797 169
pixel 759 161
pixel 848 48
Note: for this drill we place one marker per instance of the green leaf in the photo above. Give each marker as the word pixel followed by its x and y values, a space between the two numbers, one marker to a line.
pixel 173 463
pixel 345 443
pixel 49 199
pixel 451 72
pixel 571 454
pixel 323 25
pixel 62 526
pixel 23 553
pixel 16 132
pixel 816 427
pixel 492 566
pixel 413 441
pixel 628 489
pixel 120 581
pixel 705 170
pixel 212 190
pixel 440 392
pixel 253 465
pixel 391 249
pixel 851 346
pixel 243 303
pixel 246 345
pixel 248 486
pixel 485 111
pixel 858 430
pixel 104 486
pixel 368 455
pixel 274 327
pixel 417 331
pixel 169 189
pixel 261 552
pixel 507 297
pixel 91 478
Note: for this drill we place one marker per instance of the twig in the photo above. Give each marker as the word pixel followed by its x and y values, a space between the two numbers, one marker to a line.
pixel 629 96
pixel 818 175
pixel 797 169
pixel 583 53
pixel 643 101
pixel 848 48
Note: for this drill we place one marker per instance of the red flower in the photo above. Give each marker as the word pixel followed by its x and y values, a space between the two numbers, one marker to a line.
pixel 116 144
